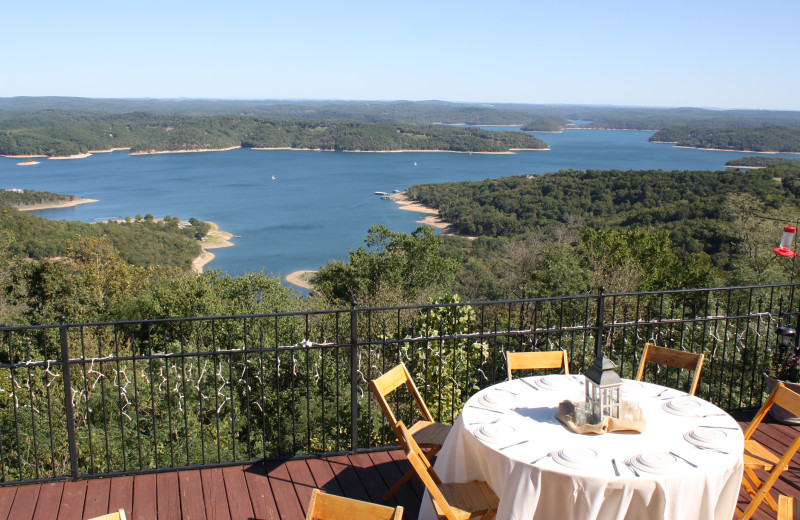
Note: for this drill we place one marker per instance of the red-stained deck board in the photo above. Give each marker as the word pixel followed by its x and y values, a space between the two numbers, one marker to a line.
pixel 168 496
pixel 303 481
pixel 237 493
pixel 261 498
pixel 145 502
pixel 347 478
pixel 390 471
pixel 191 494
pixel 6 501
pixel 283 490
pixel 324 477
pixel 121 495
pixel 48 502
pixel 24 502
pixel 73 497
pixel 96 502
pixel 214 497
pixel 369 476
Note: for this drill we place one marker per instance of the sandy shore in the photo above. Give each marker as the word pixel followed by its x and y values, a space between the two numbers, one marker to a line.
pixel 154 152
pixel 432 217
pixel 511 151
pixel 55 205
pixel 302 279
pixel 720 149
pixel 215 239
pixel 27 163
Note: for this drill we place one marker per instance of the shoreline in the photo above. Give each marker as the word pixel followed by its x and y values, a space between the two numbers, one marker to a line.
pixel 676 145
pixel 156 152
pixel 56 205
pixel 301 278
pixel 432 217
pixel 213 240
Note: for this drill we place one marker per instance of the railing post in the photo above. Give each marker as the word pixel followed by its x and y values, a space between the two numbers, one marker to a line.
pixel 601 308
pixel 65 371
pixel 353 377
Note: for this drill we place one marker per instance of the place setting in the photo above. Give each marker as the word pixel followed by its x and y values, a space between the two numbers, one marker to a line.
pixel 714 439
pixel 555 382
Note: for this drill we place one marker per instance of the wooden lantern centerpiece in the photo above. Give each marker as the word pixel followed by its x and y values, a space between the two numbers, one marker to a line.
pixel 602 389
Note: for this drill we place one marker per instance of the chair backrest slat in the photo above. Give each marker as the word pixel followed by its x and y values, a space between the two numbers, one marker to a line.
pixel 673 358
pixel 323 506
pixel 536 360
pixel 391 381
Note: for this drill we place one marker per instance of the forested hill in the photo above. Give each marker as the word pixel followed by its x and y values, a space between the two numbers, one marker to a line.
pixel 17 197
pixel 762 162
pixel 687 203
pixel 53 133
pixel 763 139
pixel 412 112
pixel 140 243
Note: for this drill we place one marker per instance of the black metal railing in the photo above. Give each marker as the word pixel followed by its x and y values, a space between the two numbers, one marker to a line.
pixel 89 399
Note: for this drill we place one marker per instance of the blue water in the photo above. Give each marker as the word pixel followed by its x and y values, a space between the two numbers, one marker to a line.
pixel 320 204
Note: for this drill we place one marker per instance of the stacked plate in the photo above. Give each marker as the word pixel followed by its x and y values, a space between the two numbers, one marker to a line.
pixel 707 437
pixel 656 462
pixel 495 432
pixel 685 406
pixel 554 382
pixel 496 399
pixel 575 457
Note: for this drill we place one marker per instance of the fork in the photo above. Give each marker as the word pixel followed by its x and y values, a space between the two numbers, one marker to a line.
pixel 710 449
pixel 509 391
pixel 484 422
pixel 630 467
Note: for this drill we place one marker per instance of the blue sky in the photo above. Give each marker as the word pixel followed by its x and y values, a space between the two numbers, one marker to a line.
pixel 703 53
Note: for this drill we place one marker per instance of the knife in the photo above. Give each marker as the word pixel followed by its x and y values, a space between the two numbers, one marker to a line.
pixel 515 444
pixel 614 463
pixel 684 460
pixel 630 467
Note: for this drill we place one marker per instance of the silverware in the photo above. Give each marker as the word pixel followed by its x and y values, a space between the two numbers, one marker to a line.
pixel 630 467
pixel 530 384
pixel 515 444
pixel 712 415
pixel 710 449
pixel 504 390
pixel 487 409
pixel 663 392
pixel 542 457
pixel 719 427
pixel 614 463
pixel 692 464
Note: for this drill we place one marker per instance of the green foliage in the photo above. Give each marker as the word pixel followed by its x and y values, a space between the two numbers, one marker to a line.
pixel 31 198
pixel 58 134
pixel 761 139
pixel 543 124
pixel 762 162
pixel 398 268
pixel 149 243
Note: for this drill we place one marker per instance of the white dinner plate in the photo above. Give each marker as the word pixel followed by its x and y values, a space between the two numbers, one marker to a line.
pixel 575 457
pixel 706 437
pixel 685 406
pixel 495 432
pixel 554 382
pixel 631 387
pixel 496 399
pixel 658 462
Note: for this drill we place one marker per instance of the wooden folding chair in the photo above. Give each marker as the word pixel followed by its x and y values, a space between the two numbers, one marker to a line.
pixel 673 358
pixel 759 458
pixel 454 500
pixel 788 508
pixel 536 360
pixel 118 515
pixel 426 432
pixel 331 507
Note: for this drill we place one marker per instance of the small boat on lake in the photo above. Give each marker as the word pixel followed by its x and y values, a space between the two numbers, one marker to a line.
pixel 381 193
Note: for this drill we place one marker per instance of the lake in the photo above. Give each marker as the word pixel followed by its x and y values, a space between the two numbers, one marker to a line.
pixel 320 204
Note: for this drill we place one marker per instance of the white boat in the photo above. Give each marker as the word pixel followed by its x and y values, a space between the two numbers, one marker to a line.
pixel 273 177
pixel 381 193
pixel 415 163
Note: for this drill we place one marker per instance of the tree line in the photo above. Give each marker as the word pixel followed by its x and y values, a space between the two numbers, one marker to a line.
pixel 761 139
pixel 54 133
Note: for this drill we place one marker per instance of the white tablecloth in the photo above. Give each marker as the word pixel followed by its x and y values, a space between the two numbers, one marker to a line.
pixel 548 489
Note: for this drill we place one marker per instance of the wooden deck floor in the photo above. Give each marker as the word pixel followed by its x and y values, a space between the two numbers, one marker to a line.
pixel 264 491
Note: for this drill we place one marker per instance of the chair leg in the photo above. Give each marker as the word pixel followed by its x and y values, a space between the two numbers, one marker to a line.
pixel 431 453
pixel 752 484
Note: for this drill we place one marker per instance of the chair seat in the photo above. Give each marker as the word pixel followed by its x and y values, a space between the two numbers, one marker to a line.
pixel 429 434
pixel 757 456
pixel 788 508
pixel 470 499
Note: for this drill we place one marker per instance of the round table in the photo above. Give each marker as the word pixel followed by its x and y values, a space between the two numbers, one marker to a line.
pixel 689 458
